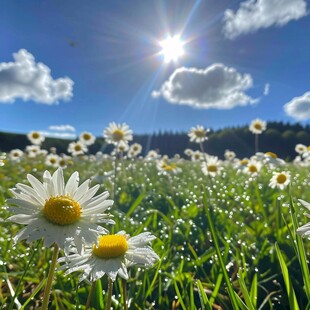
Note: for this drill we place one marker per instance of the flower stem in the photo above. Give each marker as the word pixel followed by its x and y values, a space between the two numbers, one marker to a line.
pixel 50 278
pixel 110 286
pixel 90 295
pixel 124 294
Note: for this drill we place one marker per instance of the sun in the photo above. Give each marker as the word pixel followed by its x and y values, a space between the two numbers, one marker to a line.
pixel 172 49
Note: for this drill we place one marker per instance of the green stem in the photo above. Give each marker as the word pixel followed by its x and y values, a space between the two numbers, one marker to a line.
pixel 50 278
pixel 92 288
pixel 256 143
pixel 124 294
pixel 110 286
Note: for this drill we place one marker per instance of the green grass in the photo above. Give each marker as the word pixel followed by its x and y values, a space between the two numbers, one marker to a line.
pixel 226 242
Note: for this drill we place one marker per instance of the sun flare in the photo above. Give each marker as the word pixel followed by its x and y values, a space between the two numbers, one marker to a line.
pixel 172 49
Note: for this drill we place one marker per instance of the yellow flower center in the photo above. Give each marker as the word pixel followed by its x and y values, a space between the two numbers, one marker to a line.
pixel 111 246
pixel 212 168
pixel 258 126
pixel 86 136
pixel 308 148
pixel 62 210
pixel 244 161
pixel 52 160
pixel 118 135
pixel 169 167
pixel 200 133
pixel 252 168
pixel 77 147
pixel 281 178
pixel 35 135
pixel 271 154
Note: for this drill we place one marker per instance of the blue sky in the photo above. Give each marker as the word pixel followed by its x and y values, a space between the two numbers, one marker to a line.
pixel 73 66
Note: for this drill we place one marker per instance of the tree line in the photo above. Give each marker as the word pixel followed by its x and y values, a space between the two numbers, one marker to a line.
pixel 280 138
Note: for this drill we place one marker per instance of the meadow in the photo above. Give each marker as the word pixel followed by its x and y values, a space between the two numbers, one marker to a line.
pixel 225 241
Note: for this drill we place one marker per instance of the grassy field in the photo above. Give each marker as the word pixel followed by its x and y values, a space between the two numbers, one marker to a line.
pixel 224 242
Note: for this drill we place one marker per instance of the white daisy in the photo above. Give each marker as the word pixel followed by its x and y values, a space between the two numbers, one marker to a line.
pixel 111 256
pixel 122 147
pixel 16 154
pixel 188 152
pixel 115 133
pixel 152 154
pixel 87 138
pixel 165 167
pixel 280 179
pixel 134 150
pixel 198 134
pixel 52 160
pixel 257 126
pixel 77 148
pixel 301 148
pixel 230 155
pixel 35 137
pixel 212 166
pixel 59 212
pixel 253 168
pixel 197 156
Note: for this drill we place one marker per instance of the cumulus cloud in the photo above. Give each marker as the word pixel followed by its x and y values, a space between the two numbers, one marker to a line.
pixel 299 107
pixel 62 128
pixel 62 135
pixel 253 15
pixel 25 79
pixel 217 87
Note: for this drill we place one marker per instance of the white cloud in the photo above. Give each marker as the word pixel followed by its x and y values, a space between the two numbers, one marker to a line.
pixel 217 87
pixel 253 15
pixel 28 80
pixel 299 107
pixel 62 135
pixel 266 89
pixel 62 128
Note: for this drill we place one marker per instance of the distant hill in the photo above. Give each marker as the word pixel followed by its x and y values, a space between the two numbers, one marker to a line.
pixel 279 138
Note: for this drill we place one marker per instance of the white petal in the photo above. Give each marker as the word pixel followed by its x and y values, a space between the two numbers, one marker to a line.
pixel 98 208
pixel 58 181
pixel 72 184
pixel 38 186
pixel 81 190
pixel 89 194
pixel 305 203
pixel 96 200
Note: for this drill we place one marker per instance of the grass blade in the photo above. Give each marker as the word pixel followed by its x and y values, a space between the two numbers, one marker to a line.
pixel 288 284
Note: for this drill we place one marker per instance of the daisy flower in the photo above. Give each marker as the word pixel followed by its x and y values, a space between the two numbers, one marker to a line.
pixel 300 148
pixel 198 134
pixel 77 148
pixel 87 138
pixel 253 167
pixel 134 150
pixel 52 160
pixel 212 166
pixel 35 137
pixel 111 256
pixel 257 126
pixel 59 212
pixel 115 133
pixel 167 168
pixel 122 147
pixel 152 154
pixel 197 156
pixel 280 179
pixel 16 154
pixel 230 155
